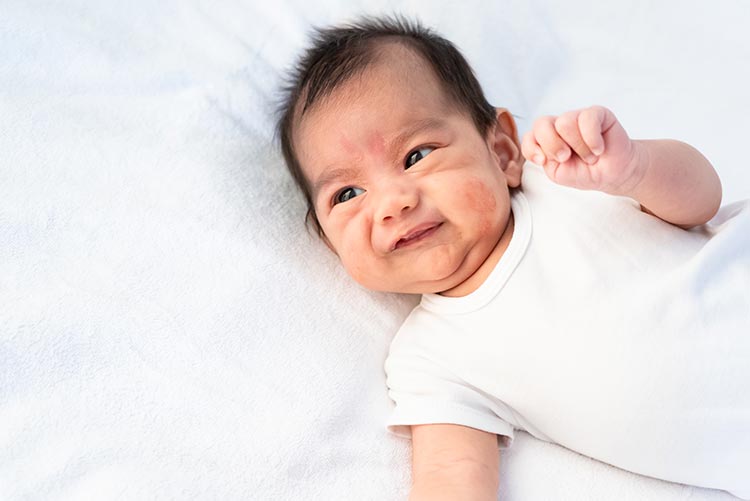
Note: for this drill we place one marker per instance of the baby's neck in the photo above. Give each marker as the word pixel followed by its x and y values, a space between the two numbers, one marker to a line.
pixel 477 278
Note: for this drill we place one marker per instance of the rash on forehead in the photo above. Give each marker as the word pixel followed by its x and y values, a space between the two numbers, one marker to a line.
pixel 376 144
pixel 347 145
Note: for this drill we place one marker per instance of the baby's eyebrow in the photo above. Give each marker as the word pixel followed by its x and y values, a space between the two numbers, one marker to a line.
pixel 398 142
pixel 329 176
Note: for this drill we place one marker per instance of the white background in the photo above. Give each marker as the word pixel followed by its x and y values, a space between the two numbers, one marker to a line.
pixel 168 328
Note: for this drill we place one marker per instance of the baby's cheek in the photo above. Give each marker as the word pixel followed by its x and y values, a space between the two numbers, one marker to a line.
pixel 353 255
pixel 481 201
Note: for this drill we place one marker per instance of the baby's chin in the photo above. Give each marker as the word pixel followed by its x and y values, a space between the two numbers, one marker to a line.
pixel 403 288
pixel 431 271
pixel 456 277
pixel 429 283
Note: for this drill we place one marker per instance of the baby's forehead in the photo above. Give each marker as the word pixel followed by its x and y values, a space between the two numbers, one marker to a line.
pixel 391 61
pixel 400 101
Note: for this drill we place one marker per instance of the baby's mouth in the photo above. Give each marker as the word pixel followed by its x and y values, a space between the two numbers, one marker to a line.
pixel 417 234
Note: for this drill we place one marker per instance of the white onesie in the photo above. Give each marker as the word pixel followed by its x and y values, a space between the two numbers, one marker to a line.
pixel 602 329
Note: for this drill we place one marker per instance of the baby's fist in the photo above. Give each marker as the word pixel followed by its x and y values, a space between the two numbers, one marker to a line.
pixel 586 149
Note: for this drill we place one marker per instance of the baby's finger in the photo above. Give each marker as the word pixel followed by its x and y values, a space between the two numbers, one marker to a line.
pixel 567 126
pixel 591 124
pixel 553 146
pixel 531 150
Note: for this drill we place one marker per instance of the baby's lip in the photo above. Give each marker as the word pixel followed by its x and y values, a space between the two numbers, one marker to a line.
pixel 415 234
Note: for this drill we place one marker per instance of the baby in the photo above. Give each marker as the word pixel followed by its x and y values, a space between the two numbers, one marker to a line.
pixel 612 321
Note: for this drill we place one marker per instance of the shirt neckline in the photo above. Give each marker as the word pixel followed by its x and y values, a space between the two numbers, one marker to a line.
pixel 502 271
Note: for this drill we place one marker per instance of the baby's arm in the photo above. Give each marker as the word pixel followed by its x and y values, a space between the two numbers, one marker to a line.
pixel 588 149
pixel 454 462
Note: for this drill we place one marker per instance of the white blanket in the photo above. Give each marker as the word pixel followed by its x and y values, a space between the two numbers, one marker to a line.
pixel 170 330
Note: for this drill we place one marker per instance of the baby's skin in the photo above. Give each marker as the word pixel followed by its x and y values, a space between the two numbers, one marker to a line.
pixel 413 198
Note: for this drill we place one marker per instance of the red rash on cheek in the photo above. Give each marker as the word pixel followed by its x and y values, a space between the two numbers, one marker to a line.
pixel 481 201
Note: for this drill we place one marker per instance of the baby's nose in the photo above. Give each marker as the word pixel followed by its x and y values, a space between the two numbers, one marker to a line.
pixel 396 200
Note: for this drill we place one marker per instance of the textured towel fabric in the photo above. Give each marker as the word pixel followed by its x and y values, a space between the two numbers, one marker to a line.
pixel 169 329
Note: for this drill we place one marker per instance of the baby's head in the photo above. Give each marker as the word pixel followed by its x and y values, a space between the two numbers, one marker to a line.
pixel 405 166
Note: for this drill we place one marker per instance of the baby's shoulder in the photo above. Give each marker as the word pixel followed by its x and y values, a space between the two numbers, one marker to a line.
pixel 424 330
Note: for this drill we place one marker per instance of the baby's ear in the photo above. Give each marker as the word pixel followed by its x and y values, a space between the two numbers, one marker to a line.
pixel 506 145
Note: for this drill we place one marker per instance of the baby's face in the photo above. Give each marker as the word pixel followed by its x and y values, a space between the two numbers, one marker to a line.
pixel 409 194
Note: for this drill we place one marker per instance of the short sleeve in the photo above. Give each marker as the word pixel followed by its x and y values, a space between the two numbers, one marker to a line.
pixel 426 393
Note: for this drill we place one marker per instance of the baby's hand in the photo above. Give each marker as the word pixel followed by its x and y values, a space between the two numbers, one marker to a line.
pixel 586 149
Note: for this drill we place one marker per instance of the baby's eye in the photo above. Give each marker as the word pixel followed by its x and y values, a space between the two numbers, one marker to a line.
pixel 347 194
pixel 417 155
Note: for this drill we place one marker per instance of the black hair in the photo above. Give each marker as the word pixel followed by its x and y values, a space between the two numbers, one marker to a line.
pixel 338 53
